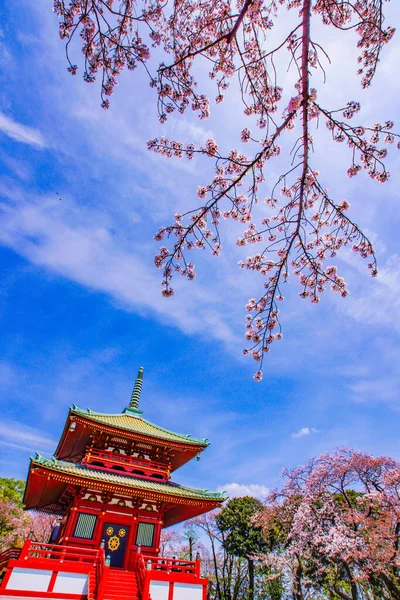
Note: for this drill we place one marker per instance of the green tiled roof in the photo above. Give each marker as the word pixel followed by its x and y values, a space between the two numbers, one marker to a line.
pixel 132 420
pixel 172 489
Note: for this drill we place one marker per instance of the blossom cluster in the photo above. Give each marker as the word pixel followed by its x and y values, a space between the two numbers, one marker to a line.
pixel 337 510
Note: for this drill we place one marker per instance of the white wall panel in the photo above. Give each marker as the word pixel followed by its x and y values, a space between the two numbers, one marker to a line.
pixel 187 591
pixel 159 590
pixel 35 580
pixel 72 583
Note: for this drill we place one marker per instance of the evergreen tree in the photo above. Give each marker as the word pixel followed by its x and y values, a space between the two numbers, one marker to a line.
pixel 242 534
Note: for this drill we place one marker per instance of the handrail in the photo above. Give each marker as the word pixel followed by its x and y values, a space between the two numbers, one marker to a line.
pixel 99 570
pixel 129 461
pixel 126 458
pixel 140 568
pixel 7 555
pixel 34 550
pixel 173 565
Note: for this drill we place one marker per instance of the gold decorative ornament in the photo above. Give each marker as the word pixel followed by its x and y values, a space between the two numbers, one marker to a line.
pixel 109 531
pixel 122 533
pixel 113 543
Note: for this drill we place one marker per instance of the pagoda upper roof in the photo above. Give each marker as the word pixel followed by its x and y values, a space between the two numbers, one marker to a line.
pixel 132 420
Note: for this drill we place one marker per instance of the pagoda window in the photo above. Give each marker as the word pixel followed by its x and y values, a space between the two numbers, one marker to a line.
pixel 138 472
pixel 85 525
pixel 145 534
pixel 96 463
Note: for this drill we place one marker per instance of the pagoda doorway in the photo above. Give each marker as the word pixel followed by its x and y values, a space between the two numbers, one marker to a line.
pixel 115 536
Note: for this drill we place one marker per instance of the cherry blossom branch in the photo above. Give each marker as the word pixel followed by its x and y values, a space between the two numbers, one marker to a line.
pixel 301 228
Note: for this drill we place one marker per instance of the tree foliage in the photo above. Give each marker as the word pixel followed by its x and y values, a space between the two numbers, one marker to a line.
pixel 243 537
pixel 15 524
pixel 302 226
pixel 227 572
pixel 12 490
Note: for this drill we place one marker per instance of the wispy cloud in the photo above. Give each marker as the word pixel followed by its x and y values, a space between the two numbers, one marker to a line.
pixel 58 235
pixel 236 490
pixel 303 432
pixel 378 301
pixel 21 133
pixel 380 383
pixel 16 435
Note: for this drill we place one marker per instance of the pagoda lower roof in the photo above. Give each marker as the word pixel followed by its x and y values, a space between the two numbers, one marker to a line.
pixel 123 481
pixel 132 421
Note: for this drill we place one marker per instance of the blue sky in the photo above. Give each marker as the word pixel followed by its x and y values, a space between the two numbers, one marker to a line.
pixel 80 302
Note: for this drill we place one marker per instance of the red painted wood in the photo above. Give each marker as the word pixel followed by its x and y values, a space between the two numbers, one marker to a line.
pixel 121 585
pixel 171 591
pixel 5 579
pixel 52 581
pixel 32 594
pixel 130 464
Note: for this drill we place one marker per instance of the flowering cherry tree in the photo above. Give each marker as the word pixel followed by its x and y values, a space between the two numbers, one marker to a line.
pixel 333 528
pixel 302 226
pixel 14 524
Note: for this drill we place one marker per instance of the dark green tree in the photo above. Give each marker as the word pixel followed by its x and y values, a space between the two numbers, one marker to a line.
pixel 12 490
pixel 242 535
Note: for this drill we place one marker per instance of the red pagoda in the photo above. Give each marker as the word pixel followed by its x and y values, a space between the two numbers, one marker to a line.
pixel 110 483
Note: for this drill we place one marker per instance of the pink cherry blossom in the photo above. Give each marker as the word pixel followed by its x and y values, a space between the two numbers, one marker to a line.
pixel 303 225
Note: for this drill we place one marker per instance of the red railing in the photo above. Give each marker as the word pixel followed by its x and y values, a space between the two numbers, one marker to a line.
pixel 91 586
pixel 96 576
pixel 150 569
pixel 7 555
pixel 102 582
pixel 172 565
pixel 131 463
pixel 99 567
pixel 140 569
pixel 61 554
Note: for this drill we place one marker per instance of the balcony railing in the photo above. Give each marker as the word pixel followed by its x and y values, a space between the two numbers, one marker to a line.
pixel 33 551
pixel 150 570
pixel 55 559
pixel 173 565
pixel 132 465
pixel 7 555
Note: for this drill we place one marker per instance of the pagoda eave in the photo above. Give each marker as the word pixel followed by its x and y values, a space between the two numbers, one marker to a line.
pixel 46 487
pixel 73 444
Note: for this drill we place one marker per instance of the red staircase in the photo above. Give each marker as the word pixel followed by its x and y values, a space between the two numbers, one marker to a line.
pixel 121 585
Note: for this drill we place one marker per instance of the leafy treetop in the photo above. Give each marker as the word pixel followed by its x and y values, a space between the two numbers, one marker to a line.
pixel 12 490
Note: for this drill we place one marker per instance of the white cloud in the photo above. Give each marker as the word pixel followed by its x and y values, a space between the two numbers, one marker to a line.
pixel 21 133
pixel 237 490
pixel 376 390
pixel 60 236
pixel 303 432
pixel 378 300
pixel 17 435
